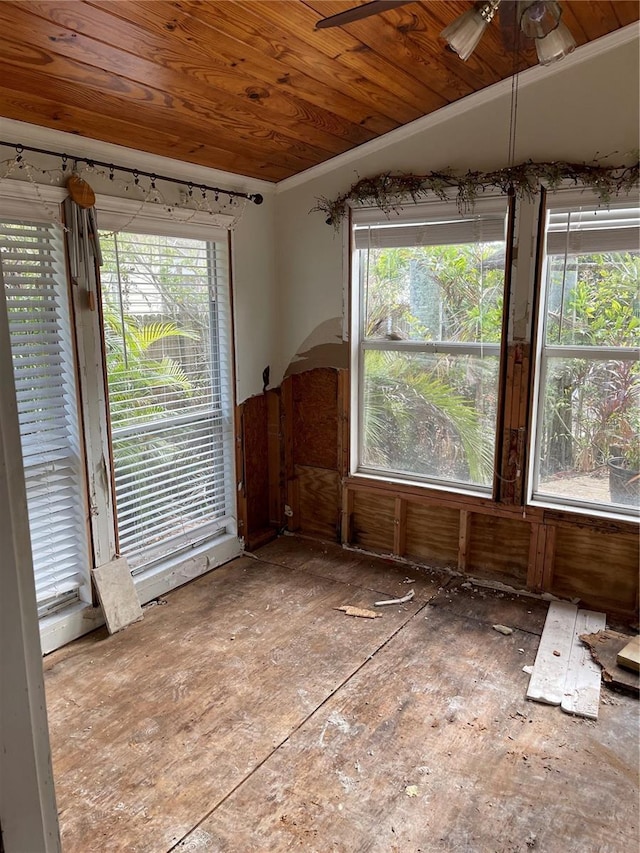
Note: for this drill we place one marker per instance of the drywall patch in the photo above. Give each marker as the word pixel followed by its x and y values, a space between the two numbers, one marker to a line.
pixel 324 347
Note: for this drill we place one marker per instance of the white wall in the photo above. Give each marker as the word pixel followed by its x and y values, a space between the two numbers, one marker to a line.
pixel 254 283
pixel 579 109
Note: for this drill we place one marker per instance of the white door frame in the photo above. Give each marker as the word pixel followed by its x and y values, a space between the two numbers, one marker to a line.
pixel 28 814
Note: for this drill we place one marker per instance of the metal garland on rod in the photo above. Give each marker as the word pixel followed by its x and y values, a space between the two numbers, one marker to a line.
pixel 112 168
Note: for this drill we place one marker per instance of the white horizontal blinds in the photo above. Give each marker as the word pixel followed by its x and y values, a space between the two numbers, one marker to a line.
pixel 418 292
pixel 166 328
pixel 41 339
pixel 429 226
pixel 582 240
pixel 591 229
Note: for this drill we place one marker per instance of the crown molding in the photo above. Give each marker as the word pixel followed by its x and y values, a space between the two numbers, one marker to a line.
pixel 600 46
pixel 21 132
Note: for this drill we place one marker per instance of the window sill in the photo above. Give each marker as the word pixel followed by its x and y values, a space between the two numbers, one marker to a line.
pixel 547 503
pixel 453 489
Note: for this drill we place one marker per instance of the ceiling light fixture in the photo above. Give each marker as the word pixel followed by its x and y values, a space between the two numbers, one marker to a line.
pixel 538 19
pixel 466 31
pixel 558 44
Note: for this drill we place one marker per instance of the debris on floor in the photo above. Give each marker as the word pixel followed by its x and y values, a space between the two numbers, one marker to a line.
pixel 629 657
pixel 411 790
pixel 604 647
pixel 402 600
pixel 564 673
pixel 359 611
pixel 503 629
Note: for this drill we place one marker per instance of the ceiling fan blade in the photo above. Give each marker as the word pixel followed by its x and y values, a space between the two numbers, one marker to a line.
pixel 375 7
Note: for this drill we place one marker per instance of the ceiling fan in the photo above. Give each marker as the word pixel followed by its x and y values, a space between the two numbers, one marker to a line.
pixel 520 20
pixel 374 7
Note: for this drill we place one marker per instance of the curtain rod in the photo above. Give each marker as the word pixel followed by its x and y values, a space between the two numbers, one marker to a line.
pixel 256 198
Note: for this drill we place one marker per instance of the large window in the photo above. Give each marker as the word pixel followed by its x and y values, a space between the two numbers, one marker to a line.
pixel 165 309
pixel 126 425
pixel 428 303
pixel 587 439
pixel 42 346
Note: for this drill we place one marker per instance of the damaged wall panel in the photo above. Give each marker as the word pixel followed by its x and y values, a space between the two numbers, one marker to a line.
pixel 252 470
pixel 499 549
pixel 598 567
pixel 432 534
pixel 313 451
pixel 315 418
pixel 318 509
pixel 372 521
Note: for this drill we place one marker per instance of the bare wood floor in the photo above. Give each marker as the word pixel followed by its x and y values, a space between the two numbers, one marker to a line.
pixel 247 714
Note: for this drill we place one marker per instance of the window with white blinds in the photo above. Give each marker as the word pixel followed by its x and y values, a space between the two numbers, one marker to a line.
pixel 33 269
pixel 167 332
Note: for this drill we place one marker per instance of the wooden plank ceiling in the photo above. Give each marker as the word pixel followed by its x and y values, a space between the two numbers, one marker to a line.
pixel 249 87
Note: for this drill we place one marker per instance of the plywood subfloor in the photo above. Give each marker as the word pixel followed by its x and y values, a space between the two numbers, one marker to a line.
pixel 247 714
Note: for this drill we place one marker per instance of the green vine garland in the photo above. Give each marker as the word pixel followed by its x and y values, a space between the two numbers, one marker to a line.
pixel 388 190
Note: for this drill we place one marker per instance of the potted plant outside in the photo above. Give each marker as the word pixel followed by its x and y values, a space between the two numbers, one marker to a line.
pixel 624 474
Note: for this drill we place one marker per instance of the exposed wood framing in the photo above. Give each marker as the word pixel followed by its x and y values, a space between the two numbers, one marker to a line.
pixel 241 492
pixel 347 514
pixel 549 557
pixel 343 422
pixel 543 550
pixel 258 468
pixel 596 565
pixel 433 497
pixel 400 527
pixel 464 539
pixel 292 510
pixel 275 449
pixel 536 557
pixel 512 463
pixel 286 401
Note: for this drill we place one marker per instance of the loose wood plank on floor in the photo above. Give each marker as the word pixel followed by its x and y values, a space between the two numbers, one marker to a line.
pixel 552 661
pixel 582 684
pixel 432 747
pixel 152 727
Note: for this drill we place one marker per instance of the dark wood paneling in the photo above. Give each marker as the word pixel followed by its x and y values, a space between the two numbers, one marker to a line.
pixel 252 462
pixel 499 549
pixel 372 526
pixel 601 569
pixel 432 534
pixel 275 445
pixel 315 418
